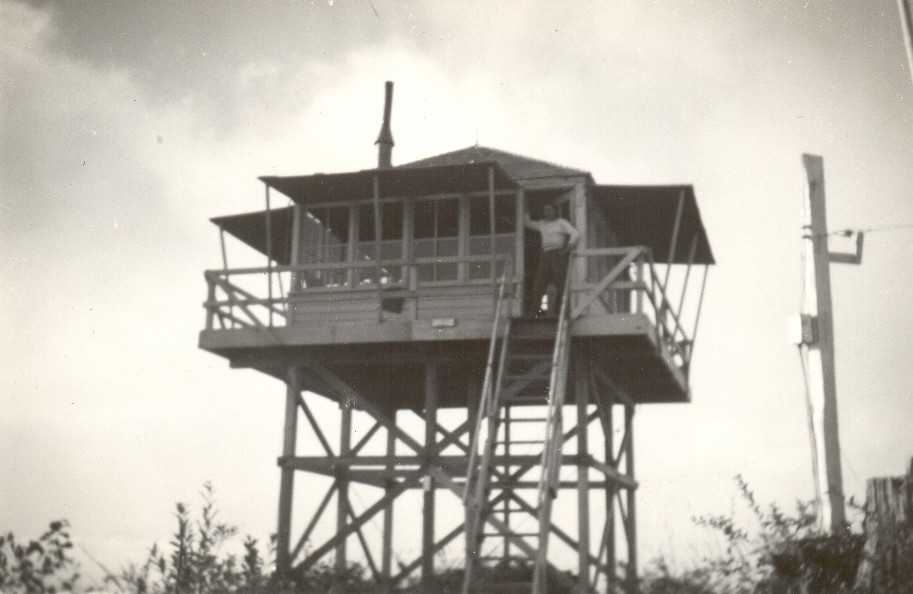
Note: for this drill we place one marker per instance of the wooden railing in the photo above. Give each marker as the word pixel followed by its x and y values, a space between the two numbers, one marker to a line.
pixel 629 284
pixel 603 281
pixel 235 297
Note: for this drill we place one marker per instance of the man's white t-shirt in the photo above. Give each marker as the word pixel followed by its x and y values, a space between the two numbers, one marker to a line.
pixel 554 233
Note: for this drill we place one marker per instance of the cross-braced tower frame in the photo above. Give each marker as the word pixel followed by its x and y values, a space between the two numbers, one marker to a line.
pixel 462 430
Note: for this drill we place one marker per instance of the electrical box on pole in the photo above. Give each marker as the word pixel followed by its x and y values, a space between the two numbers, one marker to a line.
pixel 813 332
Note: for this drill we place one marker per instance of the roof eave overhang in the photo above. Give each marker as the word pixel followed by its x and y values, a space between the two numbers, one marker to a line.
pixel 394 182
pixel 647 215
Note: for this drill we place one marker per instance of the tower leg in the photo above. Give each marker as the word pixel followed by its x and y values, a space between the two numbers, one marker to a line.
pixel 610 498
pixel 581 385
pixel 631 528
pixel 387 552
pixel 283 559
pixel 431 397
pixel 342 507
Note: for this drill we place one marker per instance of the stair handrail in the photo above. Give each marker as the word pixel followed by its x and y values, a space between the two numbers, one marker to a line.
pixel 548 479
pixel 488 383
pixel 473 489
pixel 559 365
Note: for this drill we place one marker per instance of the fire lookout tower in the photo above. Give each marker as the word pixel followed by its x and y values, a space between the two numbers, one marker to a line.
pixel 398 293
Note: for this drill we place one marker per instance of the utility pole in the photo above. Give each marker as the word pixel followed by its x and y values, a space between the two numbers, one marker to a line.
pixel 814 334
pixel 905 7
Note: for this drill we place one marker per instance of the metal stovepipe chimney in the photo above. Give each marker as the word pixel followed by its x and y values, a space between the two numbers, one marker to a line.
pixel 385 139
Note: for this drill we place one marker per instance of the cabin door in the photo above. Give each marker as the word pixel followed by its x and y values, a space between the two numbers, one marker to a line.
pixel 532 242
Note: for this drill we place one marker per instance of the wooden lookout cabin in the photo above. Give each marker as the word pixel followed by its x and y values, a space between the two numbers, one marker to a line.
pixel 400 292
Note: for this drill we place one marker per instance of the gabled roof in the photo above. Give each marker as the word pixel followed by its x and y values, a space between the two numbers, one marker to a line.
pixel 517 166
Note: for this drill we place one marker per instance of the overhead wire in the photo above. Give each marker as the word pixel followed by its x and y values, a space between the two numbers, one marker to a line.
pixel 850 232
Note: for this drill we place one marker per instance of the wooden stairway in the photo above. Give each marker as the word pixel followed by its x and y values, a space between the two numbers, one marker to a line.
pixel 520 417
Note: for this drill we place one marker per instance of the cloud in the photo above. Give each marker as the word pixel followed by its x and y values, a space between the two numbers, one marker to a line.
pixel 118 145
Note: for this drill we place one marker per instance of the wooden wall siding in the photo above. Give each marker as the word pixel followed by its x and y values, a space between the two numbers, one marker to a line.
pixel 466 301
pixel 338 308
pixel 469 306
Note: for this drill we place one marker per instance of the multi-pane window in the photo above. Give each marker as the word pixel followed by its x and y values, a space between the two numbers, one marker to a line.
pixel 480 233
pixel 324 240
pixel 437 237
pixel 453 240
pixel 391 243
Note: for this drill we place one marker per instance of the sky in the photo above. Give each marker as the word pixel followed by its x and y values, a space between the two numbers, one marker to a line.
pixel 125 126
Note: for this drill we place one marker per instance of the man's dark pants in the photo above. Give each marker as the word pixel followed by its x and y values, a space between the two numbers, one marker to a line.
pixel 552 270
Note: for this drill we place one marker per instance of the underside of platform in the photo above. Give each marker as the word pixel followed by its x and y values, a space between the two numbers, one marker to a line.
pixel 386 361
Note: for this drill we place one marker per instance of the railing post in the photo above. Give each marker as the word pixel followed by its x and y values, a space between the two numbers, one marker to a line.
pixel 231 302
pixel 642 281
pixel 210 297
pixel 269 256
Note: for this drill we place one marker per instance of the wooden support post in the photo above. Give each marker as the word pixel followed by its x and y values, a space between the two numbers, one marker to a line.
pixel 211 309
pixel 605 404
pixel 611 575
pixel 691 252
pixel 505 549
pixel 697 314
pixel 283 534
pixel 631 520
pixel 294 251
pixel 387 546
pixel 519 271
pixel 410 272
pixel 269 256
pixel 431 397
pixel 342 497
pixel 581 390
pixel 224 252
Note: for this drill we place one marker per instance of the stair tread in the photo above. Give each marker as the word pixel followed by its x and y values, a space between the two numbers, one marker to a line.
pixel 533 376
pixel 540 334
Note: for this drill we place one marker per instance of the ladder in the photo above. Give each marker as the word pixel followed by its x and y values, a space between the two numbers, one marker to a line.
pixel 530 375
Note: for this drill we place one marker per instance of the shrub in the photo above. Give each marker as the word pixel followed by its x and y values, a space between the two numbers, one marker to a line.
pixel 41 566
pixel 784 554
pixel 196 563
